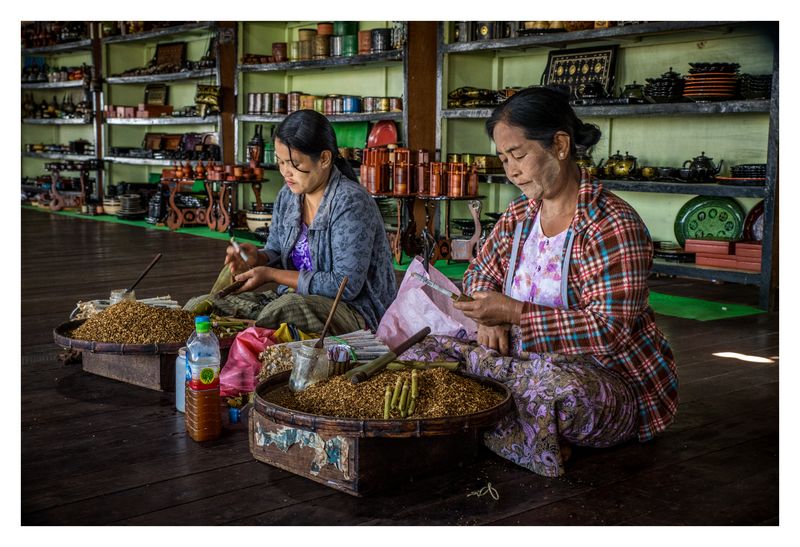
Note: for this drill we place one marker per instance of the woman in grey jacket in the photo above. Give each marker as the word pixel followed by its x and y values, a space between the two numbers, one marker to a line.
pixel 324 226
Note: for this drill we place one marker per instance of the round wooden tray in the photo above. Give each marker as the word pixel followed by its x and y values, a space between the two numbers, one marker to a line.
pixel 352 427
pixel 60 337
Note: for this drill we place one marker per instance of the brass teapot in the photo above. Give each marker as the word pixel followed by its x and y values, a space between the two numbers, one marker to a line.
pixel 584 161
pixel 611 162
pixel 626 166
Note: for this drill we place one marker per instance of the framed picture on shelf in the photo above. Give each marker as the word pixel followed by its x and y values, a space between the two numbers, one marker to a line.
pixel 577 68
pixel 171 54
pixel 156 95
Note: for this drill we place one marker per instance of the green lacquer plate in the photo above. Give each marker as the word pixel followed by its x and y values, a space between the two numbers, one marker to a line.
pixel 705 217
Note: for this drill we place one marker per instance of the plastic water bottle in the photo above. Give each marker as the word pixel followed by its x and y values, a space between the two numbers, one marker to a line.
pixel 203 419
pixel 181 369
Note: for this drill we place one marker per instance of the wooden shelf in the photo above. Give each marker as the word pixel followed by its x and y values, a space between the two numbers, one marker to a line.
pixel 703 272
pixel 613 34
pixel 55 121
pixel 158 34
pixel 390 57
pixel 139 161
pixel 59 48
pixel 193 120
pixel 57 156
pixel 169 77
pixel 53 85
pixel 357 117
pixel 638 110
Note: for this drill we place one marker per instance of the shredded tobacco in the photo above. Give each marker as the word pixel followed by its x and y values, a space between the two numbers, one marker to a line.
pixel 441 393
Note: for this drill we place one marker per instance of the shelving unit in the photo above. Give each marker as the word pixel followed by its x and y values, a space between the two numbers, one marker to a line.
pixel 386 71
pixel 61 130
pixel 615 119
pixel 129 90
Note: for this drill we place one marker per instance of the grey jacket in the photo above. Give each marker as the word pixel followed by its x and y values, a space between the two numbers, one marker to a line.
pixel 346 238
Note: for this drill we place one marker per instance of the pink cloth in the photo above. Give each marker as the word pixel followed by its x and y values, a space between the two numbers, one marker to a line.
pixel 243 365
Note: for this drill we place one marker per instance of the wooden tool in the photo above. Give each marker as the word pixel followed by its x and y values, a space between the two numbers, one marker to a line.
pixel 365 372
pixel 233 287
pixel 144 273
pixel 330 314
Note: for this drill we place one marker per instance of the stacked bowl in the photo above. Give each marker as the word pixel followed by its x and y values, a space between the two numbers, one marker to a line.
pixel 666 89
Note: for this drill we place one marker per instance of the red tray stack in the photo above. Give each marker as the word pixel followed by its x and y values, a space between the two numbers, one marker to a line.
pixel 725 254
pixel 748 256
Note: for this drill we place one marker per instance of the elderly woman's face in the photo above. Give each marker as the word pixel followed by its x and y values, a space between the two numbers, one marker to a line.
pixel 533 168
pixel 301 173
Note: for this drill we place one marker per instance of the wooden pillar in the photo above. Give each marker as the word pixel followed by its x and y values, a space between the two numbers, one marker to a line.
pixel 421 97
pixel 227 71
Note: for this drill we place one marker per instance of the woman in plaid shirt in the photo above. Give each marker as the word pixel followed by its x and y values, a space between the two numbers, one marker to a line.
pixel 560 295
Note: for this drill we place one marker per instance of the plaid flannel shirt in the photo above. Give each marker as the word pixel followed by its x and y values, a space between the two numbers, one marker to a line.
pixel 608 253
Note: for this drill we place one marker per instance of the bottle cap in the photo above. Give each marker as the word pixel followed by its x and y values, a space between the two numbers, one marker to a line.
pixel 202 323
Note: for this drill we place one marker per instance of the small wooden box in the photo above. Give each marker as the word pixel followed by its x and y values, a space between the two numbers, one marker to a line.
pixel 354 464
pixel 751 265
pixel 151 371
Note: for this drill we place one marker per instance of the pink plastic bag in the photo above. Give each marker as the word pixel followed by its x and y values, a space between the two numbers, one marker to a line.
pixel 418 306
pixel 243 365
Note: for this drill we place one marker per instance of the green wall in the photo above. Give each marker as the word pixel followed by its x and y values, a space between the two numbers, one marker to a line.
pixel 654 140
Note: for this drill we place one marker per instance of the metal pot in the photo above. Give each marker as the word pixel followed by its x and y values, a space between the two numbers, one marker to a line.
pixel 626 166
pixel 648 172
pixel 702 167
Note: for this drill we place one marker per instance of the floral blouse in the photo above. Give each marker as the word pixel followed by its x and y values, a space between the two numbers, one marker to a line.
pixel 538 275
pixel 301 254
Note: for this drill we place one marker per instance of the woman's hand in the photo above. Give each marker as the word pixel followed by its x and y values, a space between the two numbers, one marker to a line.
pixel 492 308
pixel 235 262
pixel 496 338
pixel 254 278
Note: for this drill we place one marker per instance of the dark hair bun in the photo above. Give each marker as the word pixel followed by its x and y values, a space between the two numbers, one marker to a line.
pixel 587 135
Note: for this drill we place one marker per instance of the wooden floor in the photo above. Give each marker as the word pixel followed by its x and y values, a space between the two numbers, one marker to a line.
pixel 97 451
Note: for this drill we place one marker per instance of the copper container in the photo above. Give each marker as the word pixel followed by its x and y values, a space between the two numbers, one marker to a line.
pixel 322 46
pixel 293 102
pixel 229 170
pixel 402 178
pixel 395 104
pixel 324 29
pixel 422 179
pixel 306 50
pixel 306 34
pixel 307 102
pixel 368 104
pixel 373 181
pixel 279 103
pixel 472 181
pixel 237 171
pixel 364 41
pixel 456 179
pixel 328 105
pixel 279 54
pixel 438 172
pixel 382 105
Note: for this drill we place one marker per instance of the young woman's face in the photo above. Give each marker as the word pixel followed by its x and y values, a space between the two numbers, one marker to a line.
pixel 533 168
pixel 301 173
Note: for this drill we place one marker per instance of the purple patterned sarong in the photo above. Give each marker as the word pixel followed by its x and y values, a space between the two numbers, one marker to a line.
pixel 558 398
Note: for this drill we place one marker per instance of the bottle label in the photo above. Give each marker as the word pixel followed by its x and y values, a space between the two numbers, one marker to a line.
pixel 203 376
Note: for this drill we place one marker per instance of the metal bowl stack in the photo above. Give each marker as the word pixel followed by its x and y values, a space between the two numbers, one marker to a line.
pixel 131 207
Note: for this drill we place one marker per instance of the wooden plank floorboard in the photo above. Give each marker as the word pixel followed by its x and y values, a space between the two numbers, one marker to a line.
pixel 97 451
